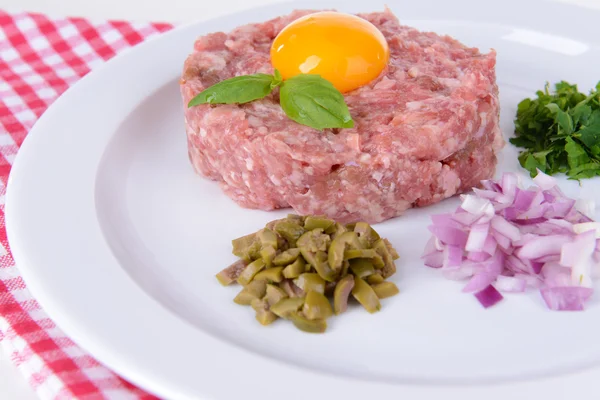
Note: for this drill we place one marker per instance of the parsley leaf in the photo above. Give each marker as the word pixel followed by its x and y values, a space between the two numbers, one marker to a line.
pixel 589 133
pixel 560 131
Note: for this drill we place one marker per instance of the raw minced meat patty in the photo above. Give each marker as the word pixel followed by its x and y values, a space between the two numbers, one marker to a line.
pixel 425 129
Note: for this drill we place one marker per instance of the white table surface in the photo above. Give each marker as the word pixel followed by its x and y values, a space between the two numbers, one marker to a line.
pixel 12 386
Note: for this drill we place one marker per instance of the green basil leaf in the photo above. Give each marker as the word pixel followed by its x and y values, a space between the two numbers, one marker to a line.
pixel 277 79
pixel 240 90
pixel 313 101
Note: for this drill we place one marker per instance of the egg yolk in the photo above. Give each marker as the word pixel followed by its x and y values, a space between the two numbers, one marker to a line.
pixel 346 50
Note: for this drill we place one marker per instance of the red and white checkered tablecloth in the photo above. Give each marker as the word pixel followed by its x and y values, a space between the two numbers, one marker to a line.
pixel 39 59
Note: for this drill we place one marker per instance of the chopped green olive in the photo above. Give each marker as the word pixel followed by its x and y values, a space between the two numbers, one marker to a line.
pixel 362 267
pixel 378 261
pixel 282 244
pixel 270 275
pixel 329 288
pixel 299 219
pixel 287 257
pixel 342 293
pixel 243 298
pixel 294 266
pixel 310 281
pixel 313 245
pixel 375 278
pixel 289 230
pixel 347 240
pixel 308 325
pixel 263 315
pixel 253 290
pixel 389 268
pixel 271 225
pixel 285 307
pixel 359 253
pixel 231 273
pixel 319 262
pixel 385 289
pixel 268 254
pixel 365 295
pixel 291 289
pixel 315 222
pixel 248 248
pixel 267 238
pixel 242 245
pixel 316 306
pixel 345 268
pixel 366 234
pixel 274 294
pixel 295 269
pixel 250 271
pixel 313 241
pixel 335 230
pixel 391 249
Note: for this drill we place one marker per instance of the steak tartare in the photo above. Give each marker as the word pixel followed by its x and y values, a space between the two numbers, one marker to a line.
pixel 426 129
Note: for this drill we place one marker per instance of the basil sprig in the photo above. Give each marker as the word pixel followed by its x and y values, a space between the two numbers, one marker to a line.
pixel 307 99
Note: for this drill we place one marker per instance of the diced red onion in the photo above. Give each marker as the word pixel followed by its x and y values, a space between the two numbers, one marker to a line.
pixel 510 183
pixel 509 238
pixel 459 274
pixel 488 296
pixel 586 207
pixel 478 206
pixel 435 260
pixel 566 298
pixel 490 246
pixel 477 237
pixel 479 282
pixel 449 235
pixel 478 256
pixel 505 228
pixel 430 247
pixel 542 246
pixel 578 256
pixel 452 257
pixel 510 284
pixel 523 199
pixel 587 226
pixel 465 218
pixel 502 240
pixel 544 182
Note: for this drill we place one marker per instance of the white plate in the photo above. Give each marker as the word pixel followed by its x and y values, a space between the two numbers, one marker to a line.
pixel 120 241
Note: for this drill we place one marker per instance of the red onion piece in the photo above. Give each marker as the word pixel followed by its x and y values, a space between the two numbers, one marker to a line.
pixel 509 238
pixel 545 182
pixel 477 237
pixel 449 235
pixel 488 296
pixel 510 284
pixel 566 298
pixel 452 257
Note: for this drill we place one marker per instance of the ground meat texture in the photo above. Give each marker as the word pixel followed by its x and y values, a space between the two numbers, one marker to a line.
pixel 426 129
